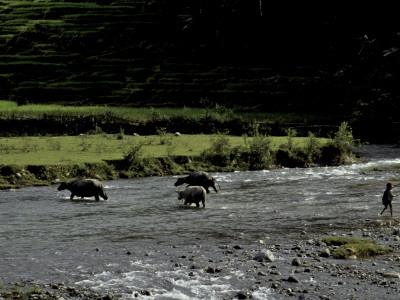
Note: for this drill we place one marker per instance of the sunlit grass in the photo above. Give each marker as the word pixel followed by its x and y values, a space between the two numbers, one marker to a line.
pixel 11 109
pixel 362 248
pixel 65 150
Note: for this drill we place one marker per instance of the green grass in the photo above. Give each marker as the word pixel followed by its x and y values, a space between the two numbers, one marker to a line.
pixel 362 248
pixel 11 109
pixel 65 150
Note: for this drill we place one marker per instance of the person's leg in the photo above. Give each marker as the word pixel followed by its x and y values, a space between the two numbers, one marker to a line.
pixel 391 209
pixel 384 209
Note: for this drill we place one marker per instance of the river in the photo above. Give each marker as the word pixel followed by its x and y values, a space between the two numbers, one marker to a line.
pixel 136 241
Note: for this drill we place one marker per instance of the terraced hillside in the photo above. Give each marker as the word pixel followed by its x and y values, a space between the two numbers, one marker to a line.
pixel 126 52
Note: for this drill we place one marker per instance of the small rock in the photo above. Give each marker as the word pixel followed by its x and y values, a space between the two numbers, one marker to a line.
pixel 264 255
pixel 325 253
pixel 262 273
pixel 352 257
pixel 276 285
pixel 293 279
pixel 211 270
pixel 296 262
pixel 243 295
pixel 391 275
pixel 177 133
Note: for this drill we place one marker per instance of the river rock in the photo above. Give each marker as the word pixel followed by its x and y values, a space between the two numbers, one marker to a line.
pixel 391 275
pixel 325 253
pixel 264 255
pixel 296 262
pixel 55 181
pixel 293 279
pixel 244 295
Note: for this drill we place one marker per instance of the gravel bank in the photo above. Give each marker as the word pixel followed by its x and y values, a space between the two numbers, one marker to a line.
pixel 299 269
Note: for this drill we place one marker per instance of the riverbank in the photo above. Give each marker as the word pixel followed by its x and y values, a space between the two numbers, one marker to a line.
pixel 220 153
pixel 301 267
pixel 14 177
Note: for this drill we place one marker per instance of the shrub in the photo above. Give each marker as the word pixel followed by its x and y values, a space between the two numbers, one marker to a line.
pixel 344 139
pixel 313 148
pixel 340 149
pixel 132 158
pixel 291 133
pixel 220 151
pixel 259 151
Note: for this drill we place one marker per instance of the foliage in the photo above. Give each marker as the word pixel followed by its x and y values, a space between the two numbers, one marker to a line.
pixel 344 139
pixel 313 148
pixel 291 133
pixel 362 248
pixel 133 160
pixel 220 149
pixel 341 147
pixel 259 148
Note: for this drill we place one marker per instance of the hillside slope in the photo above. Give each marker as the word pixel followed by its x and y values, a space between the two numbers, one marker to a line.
pixel 270 57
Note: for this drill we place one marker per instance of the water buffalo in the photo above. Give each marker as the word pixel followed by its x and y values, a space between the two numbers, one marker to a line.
pixel 84 188
pixel 199 178
pixel 193 194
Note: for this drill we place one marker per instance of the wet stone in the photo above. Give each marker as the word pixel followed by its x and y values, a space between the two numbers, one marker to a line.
pixel 293 279
pixel 296 262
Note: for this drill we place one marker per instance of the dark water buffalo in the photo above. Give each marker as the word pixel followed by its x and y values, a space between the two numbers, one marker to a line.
pixel 198 178
pixel 84 188
pixel 193 194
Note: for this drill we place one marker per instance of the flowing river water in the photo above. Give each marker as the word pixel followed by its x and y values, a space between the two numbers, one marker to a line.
pixel 144 239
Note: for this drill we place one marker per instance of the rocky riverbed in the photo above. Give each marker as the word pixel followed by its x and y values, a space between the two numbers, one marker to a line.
pixel 302 268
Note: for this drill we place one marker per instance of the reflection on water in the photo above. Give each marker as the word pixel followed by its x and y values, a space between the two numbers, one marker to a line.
pixel 45 235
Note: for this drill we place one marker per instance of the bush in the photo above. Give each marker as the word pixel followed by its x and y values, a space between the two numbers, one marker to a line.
pixel 340 149
pixel 313 148
pixel 132 159
pixel 259 151
pixel 344 139
pixel 220 151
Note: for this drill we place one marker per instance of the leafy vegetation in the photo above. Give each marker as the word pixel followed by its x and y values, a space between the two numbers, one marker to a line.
pixel 64 150
pixel 40 160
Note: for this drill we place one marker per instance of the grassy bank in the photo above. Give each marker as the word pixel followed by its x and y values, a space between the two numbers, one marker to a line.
pixel 66 150
pixel 12 109
pixel 55 120
pixel 42 160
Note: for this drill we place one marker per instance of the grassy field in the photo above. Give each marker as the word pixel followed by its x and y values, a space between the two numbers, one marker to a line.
pixel 11 109
pixel 65 150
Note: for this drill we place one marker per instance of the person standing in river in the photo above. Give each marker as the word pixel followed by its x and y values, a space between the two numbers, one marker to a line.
pixel 387 198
